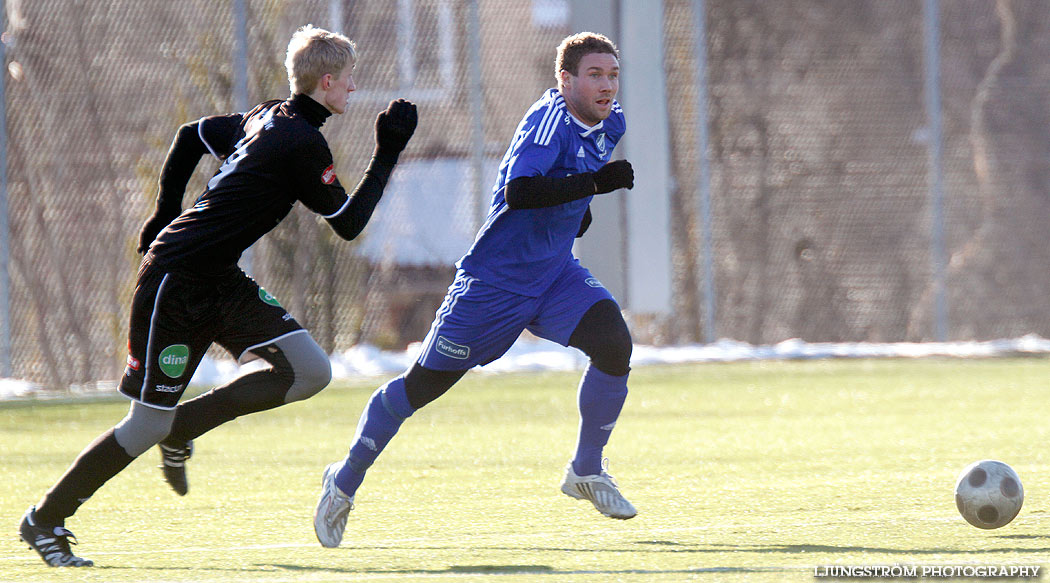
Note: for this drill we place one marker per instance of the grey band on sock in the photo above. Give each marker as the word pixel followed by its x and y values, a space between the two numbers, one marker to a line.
pixel 310 365
pixel 142 428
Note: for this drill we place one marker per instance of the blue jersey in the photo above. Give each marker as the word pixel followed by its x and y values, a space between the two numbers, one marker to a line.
pixel 524 250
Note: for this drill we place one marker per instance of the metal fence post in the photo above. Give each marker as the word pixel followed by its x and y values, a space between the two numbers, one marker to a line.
pixel 935 148
pixel 336 16
pixel 477 114
pixel 5 277
pixel 703 178
pixel 240 90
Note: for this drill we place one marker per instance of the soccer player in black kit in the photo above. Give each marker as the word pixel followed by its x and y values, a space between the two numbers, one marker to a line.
pixel 190 292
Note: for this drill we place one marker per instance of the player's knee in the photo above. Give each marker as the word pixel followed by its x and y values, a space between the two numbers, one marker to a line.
pixel 423 385
pixel 613 355
pixel 603 336
pixel 308 366
pixel 310 380
pixel 142 428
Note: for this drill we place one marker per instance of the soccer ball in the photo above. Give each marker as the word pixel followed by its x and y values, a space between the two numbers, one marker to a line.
pixel 988 494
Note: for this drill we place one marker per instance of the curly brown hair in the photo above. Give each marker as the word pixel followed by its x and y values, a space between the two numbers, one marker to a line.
pixel 575 47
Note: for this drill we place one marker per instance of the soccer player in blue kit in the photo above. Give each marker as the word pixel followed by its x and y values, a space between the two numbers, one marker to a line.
pixel 520 274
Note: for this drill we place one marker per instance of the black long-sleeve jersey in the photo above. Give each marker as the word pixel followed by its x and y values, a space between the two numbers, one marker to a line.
pixel 273 156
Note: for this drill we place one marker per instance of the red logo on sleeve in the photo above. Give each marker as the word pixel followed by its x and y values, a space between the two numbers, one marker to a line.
pixel 328 176
pixel 133 363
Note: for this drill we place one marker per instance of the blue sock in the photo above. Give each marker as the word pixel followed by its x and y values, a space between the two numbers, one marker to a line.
pixel 381 419
pixel 601 399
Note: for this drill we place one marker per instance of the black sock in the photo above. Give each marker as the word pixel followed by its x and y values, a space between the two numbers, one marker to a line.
pixel 99 462
pixel 253 392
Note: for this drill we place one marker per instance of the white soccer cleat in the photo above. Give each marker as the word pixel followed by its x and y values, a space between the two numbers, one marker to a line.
pixel 332 509
pixel 601 490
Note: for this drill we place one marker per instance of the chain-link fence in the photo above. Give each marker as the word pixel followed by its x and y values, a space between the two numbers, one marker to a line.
pixel 818 143
pixel 820 174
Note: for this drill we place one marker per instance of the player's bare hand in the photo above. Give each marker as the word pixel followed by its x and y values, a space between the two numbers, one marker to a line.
pixel 614 175
pixel 395 126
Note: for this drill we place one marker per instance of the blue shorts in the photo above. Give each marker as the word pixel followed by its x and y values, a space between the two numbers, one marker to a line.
pixel 477 323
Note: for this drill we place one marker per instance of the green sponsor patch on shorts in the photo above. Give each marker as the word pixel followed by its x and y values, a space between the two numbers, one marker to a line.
pixel 268 298
pixel 173 360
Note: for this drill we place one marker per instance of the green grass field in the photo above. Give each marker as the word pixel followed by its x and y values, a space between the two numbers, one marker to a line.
pixel 741 472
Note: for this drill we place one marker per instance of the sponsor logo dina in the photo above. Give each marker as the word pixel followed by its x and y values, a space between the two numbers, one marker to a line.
pixel 173 360
pixel 451 349
pixel 328 176
pixel 268 298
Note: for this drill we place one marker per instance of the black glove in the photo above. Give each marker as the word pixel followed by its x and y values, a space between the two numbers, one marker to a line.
pixel 614 175
pixel 394 127
pixel 153 226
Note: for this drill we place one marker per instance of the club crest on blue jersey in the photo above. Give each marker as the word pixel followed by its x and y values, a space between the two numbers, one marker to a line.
pixel 600 142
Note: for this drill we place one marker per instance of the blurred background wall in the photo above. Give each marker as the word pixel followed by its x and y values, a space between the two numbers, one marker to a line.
pixel 840 208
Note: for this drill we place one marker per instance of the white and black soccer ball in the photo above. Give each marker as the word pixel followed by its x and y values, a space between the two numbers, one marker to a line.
pixel 989 494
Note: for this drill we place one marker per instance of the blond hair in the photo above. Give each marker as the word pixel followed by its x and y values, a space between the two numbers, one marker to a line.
pixel 314 52
pixel 573 48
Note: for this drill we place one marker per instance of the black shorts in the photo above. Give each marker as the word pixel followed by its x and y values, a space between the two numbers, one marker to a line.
pixel 175 317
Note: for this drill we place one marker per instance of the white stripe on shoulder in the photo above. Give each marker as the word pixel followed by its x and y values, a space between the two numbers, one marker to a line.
pixel 200 134
pixel 551 111
pixel 546 133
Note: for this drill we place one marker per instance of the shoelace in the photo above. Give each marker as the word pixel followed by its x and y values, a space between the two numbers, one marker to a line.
pixel 63 538
pixel 336 503
pixel 67 537
pixel 176 454
pixel 605 472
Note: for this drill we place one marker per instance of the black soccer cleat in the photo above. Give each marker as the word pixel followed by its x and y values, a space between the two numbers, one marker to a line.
pixel 173 464
pixel 50 542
